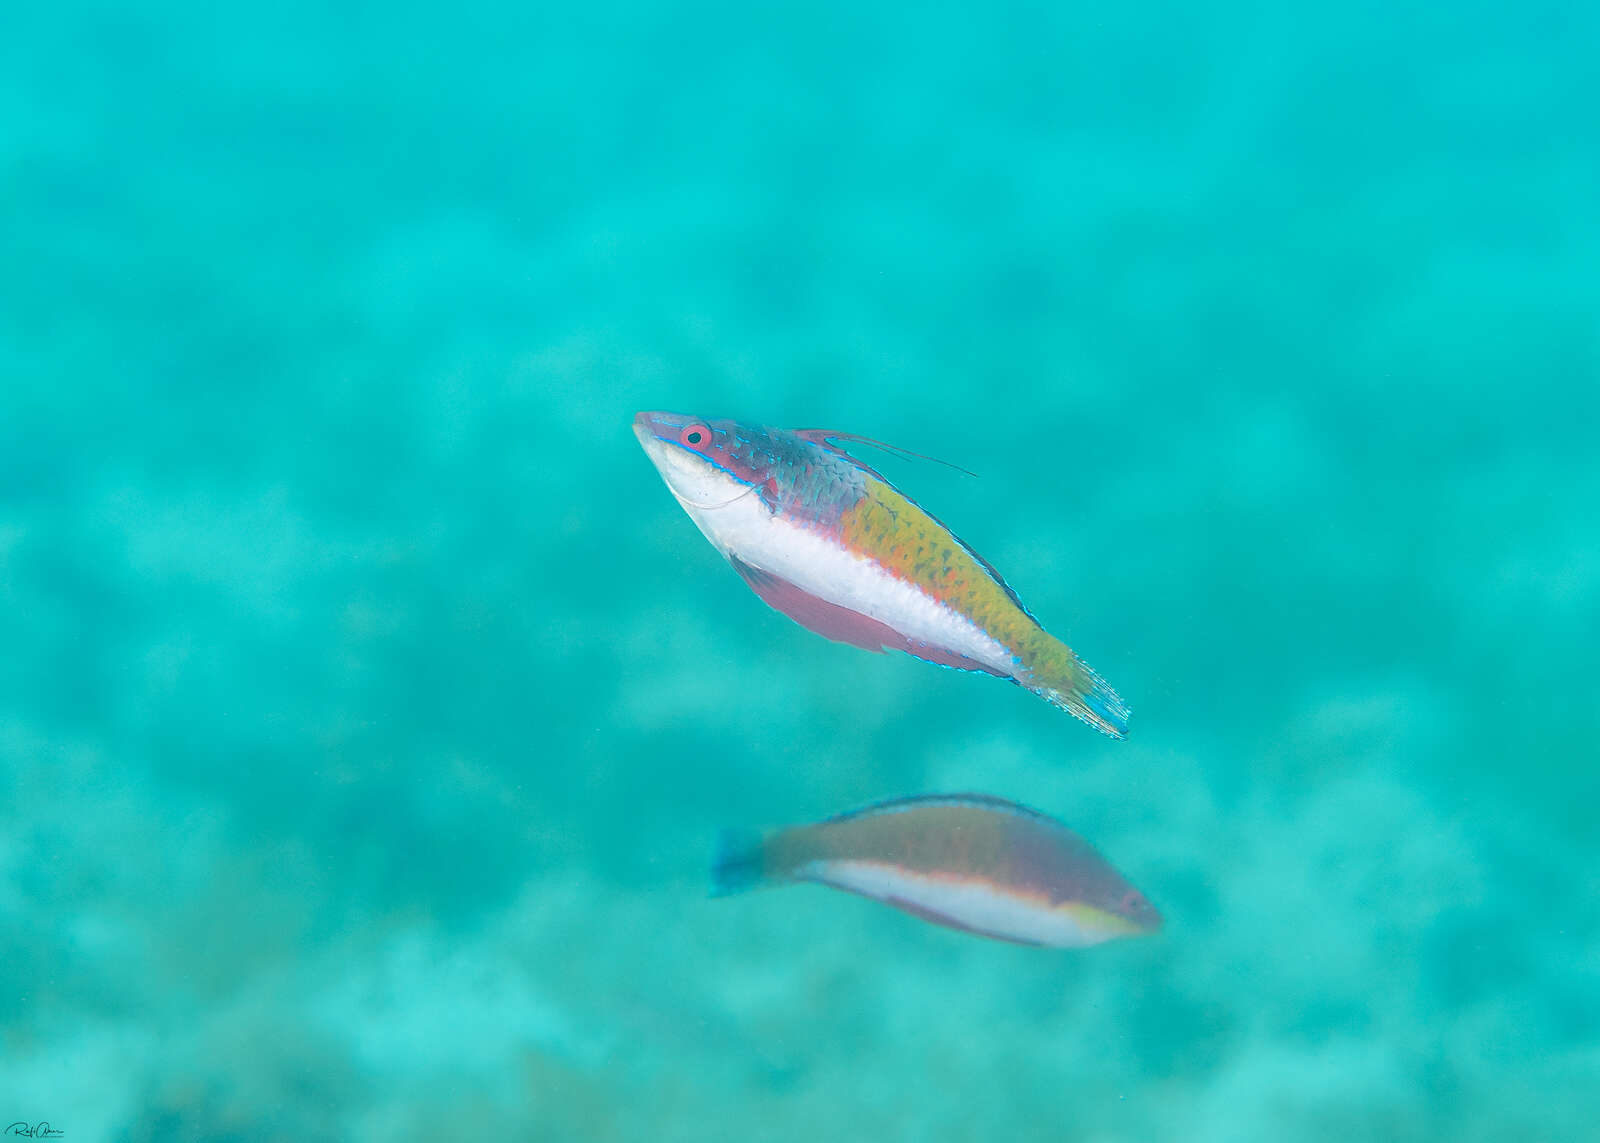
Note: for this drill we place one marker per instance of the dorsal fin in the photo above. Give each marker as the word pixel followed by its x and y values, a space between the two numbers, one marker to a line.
pixel 918 801
pixel 827 437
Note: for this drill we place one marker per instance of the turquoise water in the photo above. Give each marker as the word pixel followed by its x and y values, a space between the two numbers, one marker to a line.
pixel 368 708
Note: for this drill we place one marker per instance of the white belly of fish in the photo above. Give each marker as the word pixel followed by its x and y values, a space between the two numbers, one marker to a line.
pixel 969 903
pixel 817 564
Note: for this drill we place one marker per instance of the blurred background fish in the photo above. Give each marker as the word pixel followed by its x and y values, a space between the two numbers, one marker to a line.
pixel 829 542
pixel 967 861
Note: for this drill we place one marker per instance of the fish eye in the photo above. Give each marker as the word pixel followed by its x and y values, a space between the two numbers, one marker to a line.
pixel 695 436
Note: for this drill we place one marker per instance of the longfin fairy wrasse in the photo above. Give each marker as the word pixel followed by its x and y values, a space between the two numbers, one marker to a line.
pixel 829 542
pixel 966 861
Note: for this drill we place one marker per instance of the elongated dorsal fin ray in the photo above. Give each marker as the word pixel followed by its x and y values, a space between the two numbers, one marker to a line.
pixel 827 437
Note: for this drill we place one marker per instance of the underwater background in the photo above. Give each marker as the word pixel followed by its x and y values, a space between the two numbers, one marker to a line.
pixel 368 709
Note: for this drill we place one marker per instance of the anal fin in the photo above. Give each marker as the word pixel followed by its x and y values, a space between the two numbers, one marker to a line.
pixel 841 624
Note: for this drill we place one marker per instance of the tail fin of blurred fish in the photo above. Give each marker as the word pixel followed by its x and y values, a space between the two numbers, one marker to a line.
pixel 1076 689
pixel 740 862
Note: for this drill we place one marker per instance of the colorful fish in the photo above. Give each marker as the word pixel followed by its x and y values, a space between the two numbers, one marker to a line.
pixel 969 861
pixel 830 543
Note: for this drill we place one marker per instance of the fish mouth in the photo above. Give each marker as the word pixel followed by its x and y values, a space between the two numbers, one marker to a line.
pixel 657 433
pixel 672 460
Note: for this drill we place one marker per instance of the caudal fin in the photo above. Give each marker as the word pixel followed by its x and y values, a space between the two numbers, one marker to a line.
pixel 740 862
pixel 1084 694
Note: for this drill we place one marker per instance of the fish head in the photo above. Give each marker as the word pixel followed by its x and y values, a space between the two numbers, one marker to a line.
pixel 1135 908
pixel 697 458
pixel 1108 911
pixel 730 477
pixel 709 464
pixel 700 458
